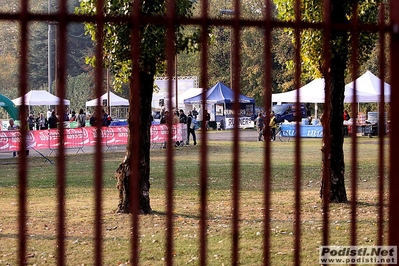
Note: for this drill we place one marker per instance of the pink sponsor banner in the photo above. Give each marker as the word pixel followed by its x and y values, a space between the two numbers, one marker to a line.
pixel 159 133
pixel 10 140
pixel 80 137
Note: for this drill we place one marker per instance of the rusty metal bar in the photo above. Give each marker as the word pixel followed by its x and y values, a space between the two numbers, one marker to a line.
pixel 98 163
pixel 353 202
pixel 267 150
pixel 135 131
pixel 170 55
pixel 22 172
pixel 61 169
pixel 394 128
pixel 297 179
pixel 236 136
pixel 326 126
pixel 381 128
pixel 204 141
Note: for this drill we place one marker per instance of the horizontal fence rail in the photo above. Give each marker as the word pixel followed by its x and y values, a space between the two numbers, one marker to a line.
pixel 243 210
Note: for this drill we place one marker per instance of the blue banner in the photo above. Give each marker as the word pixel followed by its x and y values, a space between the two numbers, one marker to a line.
pixel 305 131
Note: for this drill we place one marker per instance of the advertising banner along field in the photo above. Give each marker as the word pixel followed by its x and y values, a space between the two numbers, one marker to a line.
pixel 78 138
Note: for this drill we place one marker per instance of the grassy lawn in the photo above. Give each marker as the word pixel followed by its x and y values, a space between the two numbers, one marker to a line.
pixel 42 206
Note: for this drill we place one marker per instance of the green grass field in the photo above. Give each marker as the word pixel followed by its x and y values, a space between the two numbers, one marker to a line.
pixel 42 206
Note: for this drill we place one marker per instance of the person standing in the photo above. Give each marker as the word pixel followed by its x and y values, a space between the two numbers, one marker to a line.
pixel 183 122
pixel 52 121
pixel 346 117
pixel 176 118
pixel 183 117
pixel 41 122
pixel 105 119
pixel 93 120
pixel 12 126
pixel 175 123
pixel 164 117
pixel 31 121
pixel 194 113
pixel 73 117
pixel 164 121
pixel 66 115
pixel 191 121
pixel 81 118
pixel 49 113
pixel 272 125
pixel 207 119
pixel 259 121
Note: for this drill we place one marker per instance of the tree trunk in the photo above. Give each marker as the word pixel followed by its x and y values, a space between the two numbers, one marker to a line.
pixel 123 173
pixel 334 158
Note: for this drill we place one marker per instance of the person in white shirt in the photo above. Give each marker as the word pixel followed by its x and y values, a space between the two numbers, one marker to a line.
pixel 48 113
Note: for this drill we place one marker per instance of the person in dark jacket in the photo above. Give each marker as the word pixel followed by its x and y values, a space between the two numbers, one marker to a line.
pixel 31 122
pixel 93 120
pixel 191 121
pixel 182 116
pixel 105 119
pixel 52 121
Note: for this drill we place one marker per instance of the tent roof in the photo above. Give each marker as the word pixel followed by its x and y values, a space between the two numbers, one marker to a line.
pixel 190 93
pixel 184 95
pixel 9 106
pixel 370 83
pixel 115 100
pixel 313 92
pixel 40 97
pixel 219 93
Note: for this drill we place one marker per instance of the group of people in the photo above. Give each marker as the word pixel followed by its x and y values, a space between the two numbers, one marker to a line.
pixel 180 117
pixel 261 126
pixel 104 119
pixel 51 120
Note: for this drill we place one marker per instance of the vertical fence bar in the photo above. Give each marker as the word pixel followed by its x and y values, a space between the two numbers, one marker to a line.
pixel 98 158
pixel 135 144
pixel 326 126
pixel 355 46
pixel 267 149
pixel 381 127
pixel 22 170
pixel 236 148
pixel 170 57
pixel 394 128
pixel 297 179
pixel 204 139
pixel 61 169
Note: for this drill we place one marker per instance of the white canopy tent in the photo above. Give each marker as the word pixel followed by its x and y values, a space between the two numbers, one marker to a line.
pixel 40 97
pixel 115 100
pixel 370 83
pixel 313 92
pixel 182 96
pixel 188 94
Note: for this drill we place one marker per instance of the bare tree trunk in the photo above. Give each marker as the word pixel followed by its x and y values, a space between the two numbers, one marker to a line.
pixel 335 155
pixel 123 173
pixel 334 158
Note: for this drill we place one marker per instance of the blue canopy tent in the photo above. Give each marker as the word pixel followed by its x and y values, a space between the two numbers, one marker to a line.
pixel 221 98
pixel 219 93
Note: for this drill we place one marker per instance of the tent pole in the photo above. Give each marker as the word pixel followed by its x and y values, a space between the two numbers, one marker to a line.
pixel 108 98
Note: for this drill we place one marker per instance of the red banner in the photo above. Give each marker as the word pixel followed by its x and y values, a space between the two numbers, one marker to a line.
pixel 85 136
